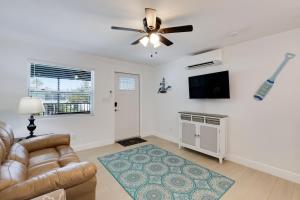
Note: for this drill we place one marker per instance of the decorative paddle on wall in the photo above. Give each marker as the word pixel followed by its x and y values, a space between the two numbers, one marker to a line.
pixel 268 84
pixel 152 30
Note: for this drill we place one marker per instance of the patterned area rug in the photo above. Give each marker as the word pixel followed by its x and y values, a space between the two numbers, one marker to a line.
pixel 151 173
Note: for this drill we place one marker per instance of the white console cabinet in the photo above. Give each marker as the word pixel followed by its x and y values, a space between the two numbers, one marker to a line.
pixel 203 132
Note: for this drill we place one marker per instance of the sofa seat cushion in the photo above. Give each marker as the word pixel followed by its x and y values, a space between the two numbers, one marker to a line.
pixel 18 153
pixel 64 150
pixel 43 168
pixel 43 156
pixel 67 155
pixel 63 161
pixel 11 173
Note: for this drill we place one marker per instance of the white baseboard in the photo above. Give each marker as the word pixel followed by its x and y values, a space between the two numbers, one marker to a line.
pixel 169 138
pixel 282 173
pixel 92 145
pixel 166 137
pixel 146 134
pixel 101 143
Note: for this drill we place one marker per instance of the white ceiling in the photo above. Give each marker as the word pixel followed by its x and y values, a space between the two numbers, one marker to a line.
pixel 84 25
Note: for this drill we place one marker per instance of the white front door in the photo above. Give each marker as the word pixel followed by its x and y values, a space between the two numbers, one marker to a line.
pixel 127 106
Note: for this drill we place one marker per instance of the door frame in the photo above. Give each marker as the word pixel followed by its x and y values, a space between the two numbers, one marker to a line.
pixel 139 99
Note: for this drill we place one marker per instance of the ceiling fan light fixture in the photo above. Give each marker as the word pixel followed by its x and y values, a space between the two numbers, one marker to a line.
pixel 157 45
pixel 154 39
pixel 152 31
pixel 151 18
pixel 144 41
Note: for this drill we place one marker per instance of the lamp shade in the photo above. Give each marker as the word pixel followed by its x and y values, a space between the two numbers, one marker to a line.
pixel 31 105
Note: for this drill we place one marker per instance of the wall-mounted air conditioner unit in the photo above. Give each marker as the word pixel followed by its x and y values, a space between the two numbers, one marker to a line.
pixel 211 58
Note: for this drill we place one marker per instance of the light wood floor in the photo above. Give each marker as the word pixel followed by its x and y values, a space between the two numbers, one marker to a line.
pixel 250 183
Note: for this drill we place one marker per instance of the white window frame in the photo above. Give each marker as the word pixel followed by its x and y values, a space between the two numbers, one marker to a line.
pixel 126 89
pixel 92 103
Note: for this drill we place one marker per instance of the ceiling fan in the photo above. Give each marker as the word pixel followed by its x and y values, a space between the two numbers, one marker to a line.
pixel 153 32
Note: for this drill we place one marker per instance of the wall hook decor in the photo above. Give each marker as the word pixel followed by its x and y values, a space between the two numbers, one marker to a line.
pixel 163 88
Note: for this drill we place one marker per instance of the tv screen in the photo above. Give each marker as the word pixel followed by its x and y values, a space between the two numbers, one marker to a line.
pixel 210 86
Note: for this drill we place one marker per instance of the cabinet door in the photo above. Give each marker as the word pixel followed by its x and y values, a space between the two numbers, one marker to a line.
pixel 209 138
pixel 189 133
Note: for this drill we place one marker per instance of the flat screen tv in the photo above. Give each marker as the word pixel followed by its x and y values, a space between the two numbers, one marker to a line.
pixel 210 86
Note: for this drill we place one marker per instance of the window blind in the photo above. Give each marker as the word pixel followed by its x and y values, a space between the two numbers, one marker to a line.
pixel 63 90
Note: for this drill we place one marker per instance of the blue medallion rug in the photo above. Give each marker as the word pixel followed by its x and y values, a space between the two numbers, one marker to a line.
pixel 151 173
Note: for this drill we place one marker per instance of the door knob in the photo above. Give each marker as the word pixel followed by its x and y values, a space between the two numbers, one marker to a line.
pixel 116 105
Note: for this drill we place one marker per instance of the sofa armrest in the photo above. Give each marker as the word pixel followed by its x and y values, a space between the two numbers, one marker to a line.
pixel 46 141
pixel 62 178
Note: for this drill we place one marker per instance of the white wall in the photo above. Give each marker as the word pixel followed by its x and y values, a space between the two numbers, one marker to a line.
pixel 264 135
pixel 88 130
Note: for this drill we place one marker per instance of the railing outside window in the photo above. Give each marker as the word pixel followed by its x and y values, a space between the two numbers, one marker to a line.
pixel 63 90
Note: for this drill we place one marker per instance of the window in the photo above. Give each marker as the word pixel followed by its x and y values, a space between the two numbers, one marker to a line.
pixel 126 83
pixel 63 90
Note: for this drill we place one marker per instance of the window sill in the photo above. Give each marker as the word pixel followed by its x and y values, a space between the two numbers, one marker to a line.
pixel 64 116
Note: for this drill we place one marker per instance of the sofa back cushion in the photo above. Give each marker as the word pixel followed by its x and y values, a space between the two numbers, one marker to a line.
pixel 2 151
pixel 18 153
pixel 6 135
pixel 45 141
pixel 11 173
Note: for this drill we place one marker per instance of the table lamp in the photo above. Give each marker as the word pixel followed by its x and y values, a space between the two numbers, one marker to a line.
pixel 31 106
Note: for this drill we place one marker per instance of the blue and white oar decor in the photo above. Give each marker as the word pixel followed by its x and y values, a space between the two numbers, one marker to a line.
pixel 268 84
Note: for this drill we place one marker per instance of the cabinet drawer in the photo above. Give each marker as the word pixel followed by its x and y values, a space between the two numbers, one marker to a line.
pixel 198 119
pixel 214 121
pixel 185 117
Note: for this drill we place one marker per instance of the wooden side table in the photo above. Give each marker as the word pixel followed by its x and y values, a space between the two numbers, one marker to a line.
pixel 18 139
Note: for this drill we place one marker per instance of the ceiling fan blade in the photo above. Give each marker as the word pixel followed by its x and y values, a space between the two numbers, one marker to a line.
pixel 127 29
pixel 151 18
pixel 165 41
pixel 176 29
pixel 137 41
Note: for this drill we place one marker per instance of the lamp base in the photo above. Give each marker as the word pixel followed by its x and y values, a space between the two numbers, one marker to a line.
pixel 31 127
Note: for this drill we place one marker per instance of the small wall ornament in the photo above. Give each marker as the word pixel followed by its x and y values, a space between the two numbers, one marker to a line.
pixel 163 88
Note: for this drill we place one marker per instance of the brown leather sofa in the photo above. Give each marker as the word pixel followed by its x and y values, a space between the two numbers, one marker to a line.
pixel 40 165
